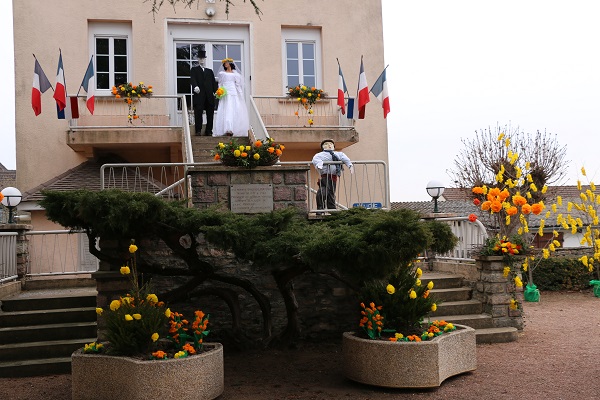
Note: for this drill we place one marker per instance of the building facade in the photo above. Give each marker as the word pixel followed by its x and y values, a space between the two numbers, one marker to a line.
pixel 290 43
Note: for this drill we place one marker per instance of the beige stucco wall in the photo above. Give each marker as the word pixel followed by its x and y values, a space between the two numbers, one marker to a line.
pixel 349 29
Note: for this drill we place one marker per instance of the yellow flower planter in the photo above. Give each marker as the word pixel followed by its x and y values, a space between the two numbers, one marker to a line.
pixel 409 364
pixel 102 377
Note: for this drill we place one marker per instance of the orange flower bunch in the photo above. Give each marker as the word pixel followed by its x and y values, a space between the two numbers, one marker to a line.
pixel 372 320
pixel 506 247
pixel 180 335
pixel 130 93
pixel 261 152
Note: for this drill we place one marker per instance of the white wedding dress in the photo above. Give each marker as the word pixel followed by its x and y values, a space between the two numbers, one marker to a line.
pixel 232 114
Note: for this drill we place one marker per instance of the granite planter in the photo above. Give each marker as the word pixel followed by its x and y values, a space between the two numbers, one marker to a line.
pixel 101 377
pixel 409 364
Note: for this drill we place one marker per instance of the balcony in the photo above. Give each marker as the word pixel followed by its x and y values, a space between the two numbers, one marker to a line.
pixel 157 130
pixel 288 120
pixel 160 131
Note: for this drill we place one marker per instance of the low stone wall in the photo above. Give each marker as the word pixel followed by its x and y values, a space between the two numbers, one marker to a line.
pixel 211 185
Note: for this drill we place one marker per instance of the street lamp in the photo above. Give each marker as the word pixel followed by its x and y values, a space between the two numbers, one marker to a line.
pixel 435 190
pixel 12 198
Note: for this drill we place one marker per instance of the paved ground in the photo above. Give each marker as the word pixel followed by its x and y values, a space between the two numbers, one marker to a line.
pixel 556 357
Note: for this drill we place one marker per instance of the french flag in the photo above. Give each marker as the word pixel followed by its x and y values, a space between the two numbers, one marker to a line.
pixel 89 84
pixel 40 85
pixel 60 92
pixel 341 90
pixel 380 90
pixel 363 92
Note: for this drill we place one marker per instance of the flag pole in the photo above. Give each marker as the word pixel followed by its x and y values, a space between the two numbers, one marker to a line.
pixel 80 86
pixel 51 87
pixel 64 75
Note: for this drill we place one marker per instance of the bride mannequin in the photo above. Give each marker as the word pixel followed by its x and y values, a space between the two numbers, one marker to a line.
pixel 232 114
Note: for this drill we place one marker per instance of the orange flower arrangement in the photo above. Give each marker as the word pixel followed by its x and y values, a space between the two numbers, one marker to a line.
pixel 131 93
pixel 261 152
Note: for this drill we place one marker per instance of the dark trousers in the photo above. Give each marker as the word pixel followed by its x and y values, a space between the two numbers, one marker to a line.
pixel 210 113
pixel 326 192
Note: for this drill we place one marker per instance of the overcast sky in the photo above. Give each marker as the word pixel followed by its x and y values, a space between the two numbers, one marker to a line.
pixel 457 67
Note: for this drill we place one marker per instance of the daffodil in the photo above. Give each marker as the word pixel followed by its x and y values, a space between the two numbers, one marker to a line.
pixel 390 289
pixel 114 305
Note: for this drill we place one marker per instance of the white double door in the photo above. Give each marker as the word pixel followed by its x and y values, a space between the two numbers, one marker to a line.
pixel 217 43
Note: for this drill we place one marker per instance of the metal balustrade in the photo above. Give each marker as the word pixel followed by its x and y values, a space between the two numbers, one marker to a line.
pixel 471 235
pixel 156 111
pixel 8 256
pixel 286 112
pixel 59 252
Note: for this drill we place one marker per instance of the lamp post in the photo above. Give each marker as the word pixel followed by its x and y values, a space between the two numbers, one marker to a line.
pixel 12 198
pixel 435 190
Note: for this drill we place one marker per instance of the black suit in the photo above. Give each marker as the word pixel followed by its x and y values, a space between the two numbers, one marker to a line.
pixel 204 78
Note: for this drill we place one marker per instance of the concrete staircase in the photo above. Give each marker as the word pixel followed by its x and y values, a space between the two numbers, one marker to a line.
pixel 40 329
pixel 458 307
pixel 203 145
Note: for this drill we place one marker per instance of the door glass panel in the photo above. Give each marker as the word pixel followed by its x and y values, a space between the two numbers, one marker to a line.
pixel 186 57
pixel 121 47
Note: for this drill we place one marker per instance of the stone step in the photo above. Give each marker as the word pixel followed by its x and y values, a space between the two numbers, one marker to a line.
pixel 475 321
pixel 496 335
pixel 441 280
pixel 202 146
pixel 42 350
pixel 43 317
pixel 452 294
pixel 48 366
pixel 458 308
pixel 37 333
pixel 46 302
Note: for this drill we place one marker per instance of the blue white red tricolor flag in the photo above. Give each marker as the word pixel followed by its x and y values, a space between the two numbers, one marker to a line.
pixel 60 91
pixel 380 91
pixel 89 85
pixel 40 85
pixel 363 91
pixel 341 90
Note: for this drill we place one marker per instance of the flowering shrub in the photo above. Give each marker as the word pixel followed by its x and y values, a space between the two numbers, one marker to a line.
pixel 131 93
pixel 259 153
pixel 401 304
pixel 135 322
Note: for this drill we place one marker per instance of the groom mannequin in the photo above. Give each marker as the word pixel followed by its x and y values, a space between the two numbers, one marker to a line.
pixel 204 86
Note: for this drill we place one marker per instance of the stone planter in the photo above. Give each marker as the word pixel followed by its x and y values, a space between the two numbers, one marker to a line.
pixel 101 377
pixel 409 364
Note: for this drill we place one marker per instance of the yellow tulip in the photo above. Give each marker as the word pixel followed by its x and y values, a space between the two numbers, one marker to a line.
pixel 114 305
pixel 390 289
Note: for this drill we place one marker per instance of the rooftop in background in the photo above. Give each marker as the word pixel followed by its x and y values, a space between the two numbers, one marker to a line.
pixel 8 177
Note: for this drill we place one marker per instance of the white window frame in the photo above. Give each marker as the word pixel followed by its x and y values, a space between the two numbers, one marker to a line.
pixel 111 30
pixel 299 35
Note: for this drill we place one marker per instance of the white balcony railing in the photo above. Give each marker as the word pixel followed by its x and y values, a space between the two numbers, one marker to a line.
pixel 280 112
pixel 157 111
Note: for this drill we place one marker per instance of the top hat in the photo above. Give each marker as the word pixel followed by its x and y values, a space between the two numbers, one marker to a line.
pixel 327 141
pixel 201 53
